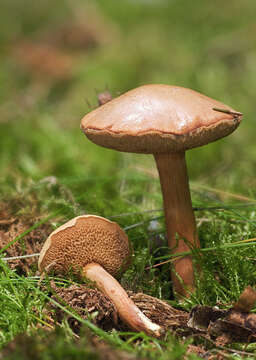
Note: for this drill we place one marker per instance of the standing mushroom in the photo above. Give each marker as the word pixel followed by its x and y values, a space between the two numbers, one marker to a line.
pixel 97 249
pixel 165 121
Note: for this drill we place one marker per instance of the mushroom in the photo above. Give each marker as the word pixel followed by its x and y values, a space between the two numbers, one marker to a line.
pixel 165 121
pixel 96 249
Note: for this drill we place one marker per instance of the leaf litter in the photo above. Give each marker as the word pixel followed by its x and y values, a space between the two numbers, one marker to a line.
pixel 12 226
pixel 219 327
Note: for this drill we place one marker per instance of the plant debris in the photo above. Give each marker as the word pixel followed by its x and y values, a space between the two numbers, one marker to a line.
pixel 227 326
pixel 161 312
pixel 104 97
pixel 88 303
pixel 91 303
pixel 12 226
pixel 219 327
pixel 201 316
pixel 246 300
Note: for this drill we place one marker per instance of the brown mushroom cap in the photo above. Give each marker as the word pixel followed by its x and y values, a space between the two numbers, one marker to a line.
pixel 83 240
pixel 158 119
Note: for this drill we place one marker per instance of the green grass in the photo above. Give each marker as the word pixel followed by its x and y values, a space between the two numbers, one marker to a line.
pixel 50 171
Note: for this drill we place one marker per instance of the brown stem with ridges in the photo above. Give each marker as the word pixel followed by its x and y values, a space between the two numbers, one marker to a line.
pixel 125 307
pixel 179 217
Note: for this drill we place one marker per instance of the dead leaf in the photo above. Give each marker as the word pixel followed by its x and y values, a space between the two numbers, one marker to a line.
pixel 246 300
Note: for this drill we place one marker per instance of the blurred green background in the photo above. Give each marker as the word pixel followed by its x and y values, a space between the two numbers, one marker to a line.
pixel 56 56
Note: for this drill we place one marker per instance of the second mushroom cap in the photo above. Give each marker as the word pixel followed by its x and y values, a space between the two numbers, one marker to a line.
pixel 83 240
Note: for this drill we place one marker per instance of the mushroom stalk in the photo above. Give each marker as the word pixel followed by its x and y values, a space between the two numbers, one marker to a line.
pixel 126 308
pixel 179 217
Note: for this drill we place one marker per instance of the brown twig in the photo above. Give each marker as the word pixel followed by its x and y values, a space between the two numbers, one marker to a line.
pixel 226 111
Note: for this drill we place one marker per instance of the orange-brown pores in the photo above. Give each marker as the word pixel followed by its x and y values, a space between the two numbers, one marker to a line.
pixel 83 240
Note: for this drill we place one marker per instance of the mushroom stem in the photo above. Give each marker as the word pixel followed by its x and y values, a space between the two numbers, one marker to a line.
pixel 126 308
pixel 179 217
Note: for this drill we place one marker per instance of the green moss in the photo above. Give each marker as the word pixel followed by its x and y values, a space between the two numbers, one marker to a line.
pixel 49 168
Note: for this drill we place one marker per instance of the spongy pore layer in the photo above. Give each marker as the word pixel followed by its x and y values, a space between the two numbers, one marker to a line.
pixel 83 240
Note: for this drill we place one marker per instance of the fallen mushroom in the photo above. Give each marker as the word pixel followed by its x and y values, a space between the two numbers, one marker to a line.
pixel 97 249
pixel 165 121
pixel 81 297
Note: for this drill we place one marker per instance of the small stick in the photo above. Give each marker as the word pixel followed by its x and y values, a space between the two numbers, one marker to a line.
pixel 226 111
pixel 20 257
